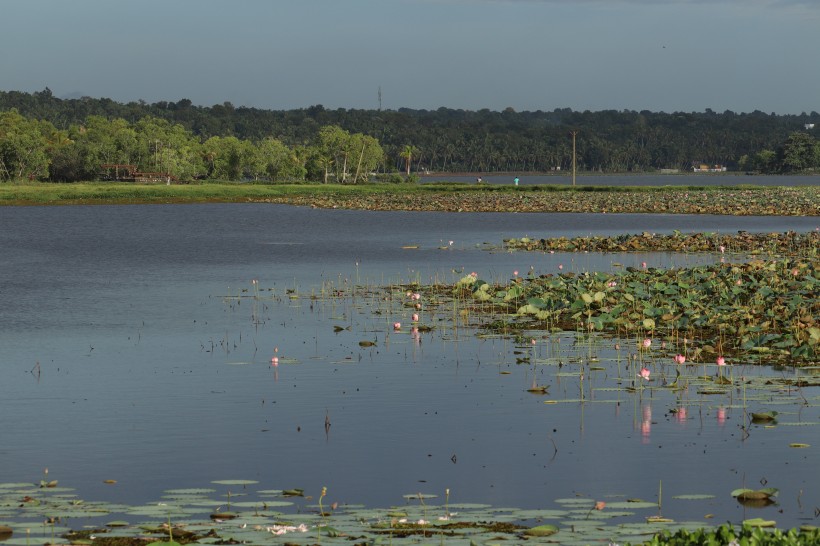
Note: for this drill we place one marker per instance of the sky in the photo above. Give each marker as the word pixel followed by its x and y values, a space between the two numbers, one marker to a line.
pixel 657 55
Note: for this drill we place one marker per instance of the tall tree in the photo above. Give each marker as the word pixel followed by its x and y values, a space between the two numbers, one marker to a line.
pixel 22 147
pixel 407 154
pixel 799 152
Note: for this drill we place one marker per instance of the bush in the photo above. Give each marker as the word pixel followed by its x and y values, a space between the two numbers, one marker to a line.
pixel 747 535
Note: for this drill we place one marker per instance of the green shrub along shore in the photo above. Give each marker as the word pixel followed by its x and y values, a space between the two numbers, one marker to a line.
pixel 734 200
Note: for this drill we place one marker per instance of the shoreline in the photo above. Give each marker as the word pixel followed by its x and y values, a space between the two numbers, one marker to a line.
pixel 718 200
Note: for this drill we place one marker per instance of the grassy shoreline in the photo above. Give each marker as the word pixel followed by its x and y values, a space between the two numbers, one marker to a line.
pixel 446 197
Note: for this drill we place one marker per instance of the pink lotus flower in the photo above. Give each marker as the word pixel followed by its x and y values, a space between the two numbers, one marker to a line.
pixel 274 361
pixel 722 249
pixel 397 325
pixel 721 415
pixel 644 374
pixel 561 266
pixel 721 361
pixel 474 274
pixel 416 296
pixel 515 273
pixel 647 343
pixel 643 264
pixel 418 306
pixel 415 317
pixel 680 359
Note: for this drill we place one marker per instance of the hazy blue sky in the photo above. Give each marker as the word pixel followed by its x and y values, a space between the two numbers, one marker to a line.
pixel 659 55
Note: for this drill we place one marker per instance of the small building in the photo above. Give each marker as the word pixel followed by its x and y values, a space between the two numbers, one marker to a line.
pixel 704 168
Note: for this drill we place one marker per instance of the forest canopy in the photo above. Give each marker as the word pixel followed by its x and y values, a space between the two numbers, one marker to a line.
pixel 47 138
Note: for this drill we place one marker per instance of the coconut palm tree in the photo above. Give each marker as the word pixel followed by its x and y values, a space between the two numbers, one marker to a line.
pixel 407 154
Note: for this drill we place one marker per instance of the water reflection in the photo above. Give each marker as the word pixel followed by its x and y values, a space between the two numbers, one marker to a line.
pixel 180 388
pixel 721 416
pixel 646 423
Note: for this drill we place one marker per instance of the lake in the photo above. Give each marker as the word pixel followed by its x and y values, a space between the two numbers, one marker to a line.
pixel 586 179
pixel 136 347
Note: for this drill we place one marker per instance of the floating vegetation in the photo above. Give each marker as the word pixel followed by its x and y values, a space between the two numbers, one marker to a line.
pixel 742 201
pixel 579 521
pixel 762 311
pixel 772 244
pixel 751 532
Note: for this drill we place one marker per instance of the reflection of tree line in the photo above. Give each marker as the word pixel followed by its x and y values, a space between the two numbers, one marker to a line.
pixel 69 139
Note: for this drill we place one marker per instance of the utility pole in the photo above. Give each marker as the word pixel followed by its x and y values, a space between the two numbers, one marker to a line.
pixel 573 133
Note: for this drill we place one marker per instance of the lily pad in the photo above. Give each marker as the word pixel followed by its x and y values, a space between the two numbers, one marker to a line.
pixel 235 482
pixel 759 522
pixel 541 531
pixel 754 494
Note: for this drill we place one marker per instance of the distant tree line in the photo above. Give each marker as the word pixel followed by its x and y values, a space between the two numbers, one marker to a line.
pixel 48 138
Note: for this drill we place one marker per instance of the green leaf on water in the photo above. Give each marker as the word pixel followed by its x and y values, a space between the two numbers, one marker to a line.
pixel 541 531
pixel 755 494
pixel 764 417
pixel 693 497
pixel 235 482
pixel 411 496
pixel 759 522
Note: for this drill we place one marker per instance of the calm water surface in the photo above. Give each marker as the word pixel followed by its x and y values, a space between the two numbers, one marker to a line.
pixel 155 365
pixel 682 179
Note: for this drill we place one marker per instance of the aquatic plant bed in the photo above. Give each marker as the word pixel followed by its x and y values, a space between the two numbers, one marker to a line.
pixel 762 311
pixel 238 511
pixel 732 200
pixel 770 244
